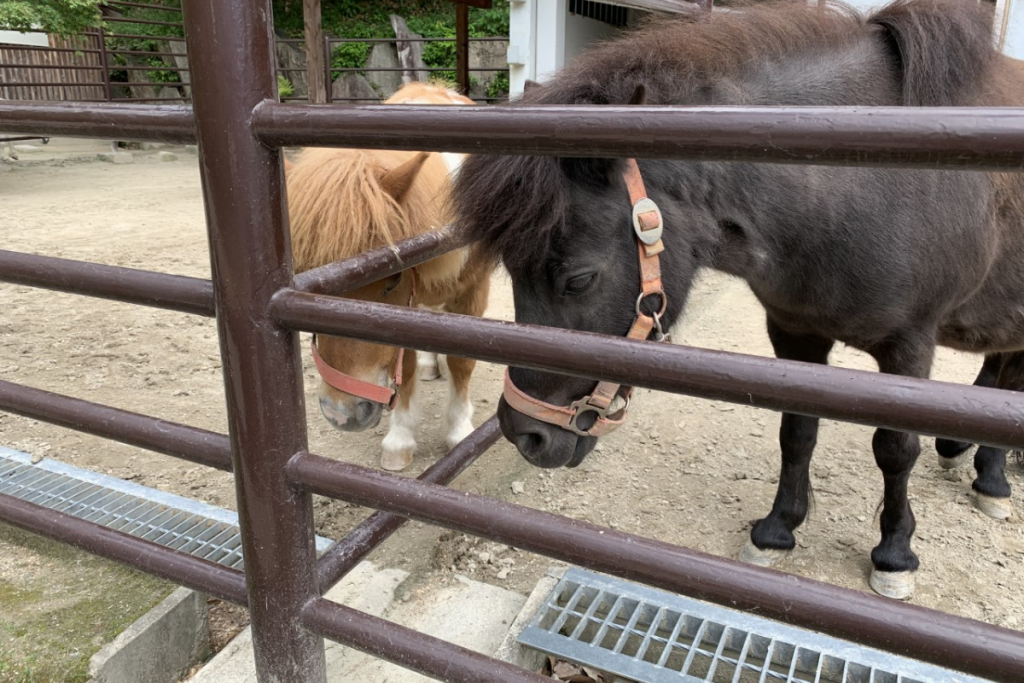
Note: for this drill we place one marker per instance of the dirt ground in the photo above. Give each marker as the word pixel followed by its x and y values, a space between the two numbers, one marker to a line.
pixel 683 470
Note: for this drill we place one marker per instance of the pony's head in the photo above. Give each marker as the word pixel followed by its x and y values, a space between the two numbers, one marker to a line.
pixel 435 92
pixel 343 202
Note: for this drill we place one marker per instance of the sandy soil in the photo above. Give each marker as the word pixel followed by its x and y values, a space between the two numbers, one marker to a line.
pixel 683 470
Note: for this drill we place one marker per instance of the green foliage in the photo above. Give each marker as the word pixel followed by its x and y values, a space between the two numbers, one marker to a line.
pixel 62 17
pixel 284 87
pixel 499 86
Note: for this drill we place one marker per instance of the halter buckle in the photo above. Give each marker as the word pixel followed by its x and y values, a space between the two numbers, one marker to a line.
pixel 648 234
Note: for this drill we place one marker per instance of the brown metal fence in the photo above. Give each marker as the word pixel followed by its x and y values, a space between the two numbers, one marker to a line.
pixel 260 306
pixel 69 69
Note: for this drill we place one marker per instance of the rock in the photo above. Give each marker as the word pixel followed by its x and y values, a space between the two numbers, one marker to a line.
pixel 352 86
pixel 486 55
pixel 503 574
pixel 291 57
pixel 167 156
pixel 518 487
pixel 410 53
pixel 27 149
pixel 192 149
pixel 384 56
pixel 149 146
pixel 117 157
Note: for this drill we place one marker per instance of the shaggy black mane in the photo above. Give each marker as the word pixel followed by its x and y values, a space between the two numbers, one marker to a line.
pixel 939 49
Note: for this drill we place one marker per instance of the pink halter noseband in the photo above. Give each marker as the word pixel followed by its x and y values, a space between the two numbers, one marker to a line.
pixel 361 388
pixel 648 225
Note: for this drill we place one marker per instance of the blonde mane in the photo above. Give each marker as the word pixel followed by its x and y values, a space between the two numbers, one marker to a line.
pixel 339 206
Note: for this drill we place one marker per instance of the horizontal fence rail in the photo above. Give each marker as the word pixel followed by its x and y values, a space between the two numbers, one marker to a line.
pixel 130 285
pixel 167 563
pixel 161 436
pixel 141 122
pixel 968 413
pixel 361 270
pixel 955 642
pixel 983 139
pixel 431 656
pixel 343 556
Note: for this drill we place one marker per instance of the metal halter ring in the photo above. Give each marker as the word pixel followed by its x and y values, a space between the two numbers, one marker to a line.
pixel 644 295
pixel 582 407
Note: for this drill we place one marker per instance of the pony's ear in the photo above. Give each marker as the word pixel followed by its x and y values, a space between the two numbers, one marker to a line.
pixel 531 85
pixel 639 95
pixel 398 180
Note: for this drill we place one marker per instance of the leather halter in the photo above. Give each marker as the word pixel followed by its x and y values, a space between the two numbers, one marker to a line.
pixel 648 225
pixel 388 395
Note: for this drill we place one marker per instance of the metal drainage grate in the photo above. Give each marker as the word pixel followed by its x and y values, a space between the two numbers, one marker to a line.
pixel 181 523
pixel 648 635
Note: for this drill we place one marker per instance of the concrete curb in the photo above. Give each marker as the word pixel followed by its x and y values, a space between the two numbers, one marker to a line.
pixel 161 646
pixel 510 650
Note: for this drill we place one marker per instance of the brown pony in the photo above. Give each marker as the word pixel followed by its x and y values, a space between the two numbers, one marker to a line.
pixel 346 201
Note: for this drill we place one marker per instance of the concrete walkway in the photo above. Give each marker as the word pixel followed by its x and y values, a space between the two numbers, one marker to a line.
pixel 469 613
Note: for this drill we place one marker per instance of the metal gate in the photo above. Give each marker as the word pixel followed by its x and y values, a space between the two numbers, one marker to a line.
pixel 260 306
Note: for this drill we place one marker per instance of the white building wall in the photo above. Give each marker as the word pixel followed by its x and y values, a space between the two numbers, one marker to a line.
pixel 17 38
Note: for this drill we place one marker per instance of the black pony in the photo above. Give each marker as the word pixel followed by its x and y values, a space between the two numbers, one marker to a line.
pixel 892 262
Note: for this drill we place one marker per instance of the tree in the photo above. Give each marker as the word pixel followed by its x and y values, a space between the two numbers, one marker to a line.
pixel 62 17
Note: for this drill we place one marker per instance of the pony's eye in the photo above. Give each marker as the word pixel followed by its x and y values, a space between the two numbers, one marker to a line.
pixel 579 283
pixel 391 283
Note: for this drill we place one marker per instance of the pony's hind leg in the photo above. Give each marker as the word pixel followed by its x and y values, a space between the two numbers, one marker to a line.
pixel 460 407
pixel 895 454
pixel 991 489
pixel 399 445
pixel 427 366
pixel 772 537
pixel 954 453
pixel 471 301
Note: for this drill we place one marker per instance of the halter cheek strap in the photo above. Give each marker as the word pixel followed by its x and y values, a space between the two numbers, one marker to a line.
pixel 357 387
pixel 648 226
pixel 361 388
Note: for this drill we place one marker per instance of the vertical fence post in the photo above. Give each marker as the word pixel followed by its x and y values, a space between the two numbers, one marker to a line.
pixel 101 45
pixel 314 34
pixel 462 47
pixel 251 258
pixel 328 76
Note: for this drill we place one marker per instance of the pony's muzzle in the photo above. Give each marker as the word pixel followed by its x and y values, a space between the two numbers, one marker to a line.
pixel 542 444
pixel 357 416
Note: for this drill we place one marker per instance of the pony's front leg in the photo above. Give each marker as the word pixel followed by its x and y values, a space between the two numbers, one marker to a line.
pixel 772 537
pixel 895 454
pixel 460 407
pixel 399 446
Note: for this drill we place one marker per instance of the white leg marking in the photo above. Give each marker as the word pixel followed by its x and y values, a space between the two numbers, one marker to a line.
pixel 460 415
pixel 399 445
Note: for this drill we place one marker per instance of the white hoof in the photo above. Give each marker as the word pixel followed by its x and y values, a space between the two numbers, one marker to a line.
pixel 751 554
pixel 895 585
pixel 996 508
pixel 396 461
pixel 955 462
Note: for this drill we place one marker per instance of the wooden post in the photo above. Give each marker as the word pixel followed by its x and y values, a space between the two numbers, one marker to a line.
pixel 462 47
pixel 316 60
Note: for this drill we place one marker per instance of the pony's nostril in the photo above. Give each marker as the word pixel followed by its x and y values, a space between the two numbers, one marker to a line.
pixel 364 411
pixel 532 444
